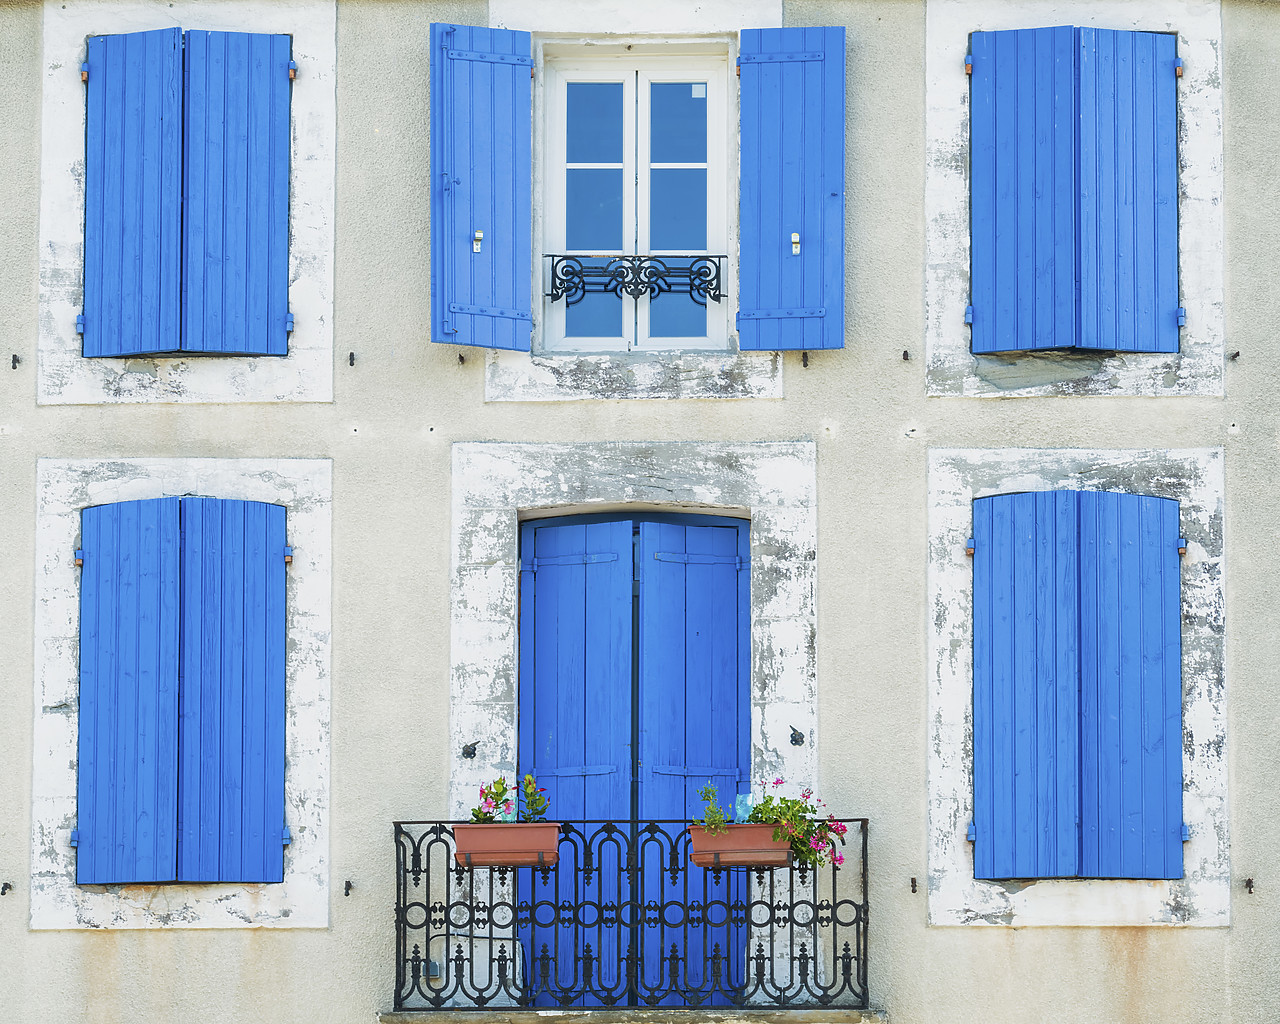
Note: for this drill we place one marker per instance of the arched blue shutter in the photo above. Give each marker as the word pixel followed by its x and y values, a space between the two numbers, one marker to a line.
pixel 792 183
pixel 481 177
pixel 236 237
pixel 127 767
pixel 1026 648
pixel 1131 686
pixel 233 688
pixel 133 211
pixel 1022 144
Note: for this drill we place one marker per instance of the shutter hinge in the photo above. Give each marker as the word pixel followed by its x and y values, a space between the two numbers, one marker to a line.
pixel 293 70
pixel 972 834
pixel 968 314
pixel 79 323
pixel 1182 316
pixel 288 555
pixel 969 546
pixel 75 837
pixel 1186 832
pixel 1177 67
pixel 288 323
pixel 1182 545
pixel 79 556
pixel 84 72
pixel 285 837
pixel 968 63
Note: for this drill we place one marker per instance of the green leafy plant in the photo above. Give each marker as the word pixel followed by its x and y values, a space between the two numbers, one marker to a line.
pixel 498 802
pixel 798 820
pixel 535 804
pixel 713 819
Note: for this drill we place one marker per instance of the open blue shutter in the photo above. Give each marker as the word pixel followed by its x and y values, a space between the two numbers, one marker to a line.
pixel 1026 648
pixel 1023 191
pixel 481 177
pixel 233 685
pixel 127 767
pixel 133 213
pixel 236 238
pixel 792 182
pixel 1131 689
pixel 1128 191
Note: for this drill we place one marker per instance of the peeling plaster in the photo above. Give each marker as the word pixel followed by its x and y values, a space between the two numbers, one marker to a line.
pixel 64 376
pixel 1195 478
pixel 952 369
pixel 65 486
pixel 494 484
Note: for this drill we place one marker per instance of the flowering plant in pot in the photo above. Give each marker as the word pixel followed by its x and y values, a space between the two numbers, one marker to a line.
pixel 796 829
pixel 718 843
pixel 495 838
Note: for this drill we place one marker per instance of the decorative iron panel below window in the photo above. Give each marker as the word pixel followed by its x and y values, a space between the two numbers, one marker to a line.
pixel 572 277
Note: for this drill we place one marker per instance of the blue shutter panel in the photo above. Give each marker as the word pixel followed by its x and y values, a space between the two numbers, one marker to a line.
pixel 1131 690
pixel 128 715
pixel 481 178
pixel 792 182
pixel 236 242
pixel 1025 701
pixel 133 216
pixel 1023 192
pixel 233 686
pixel 1128 191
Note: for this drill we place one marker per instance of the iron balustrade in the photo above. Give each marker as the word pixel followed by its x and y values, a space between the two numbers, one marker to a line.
pixel 572 277
pixel 625 919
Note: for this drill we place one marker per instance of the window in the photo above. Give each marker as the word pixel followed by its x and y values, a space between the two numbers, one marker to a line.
pixel 182 692
pixel 1077 691
pixel 636 145
pixel 186 194
pixel 1074 190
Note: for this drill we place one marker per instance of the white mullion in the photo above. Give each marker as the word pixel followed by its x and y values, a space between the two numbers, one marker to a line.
pixel 629 200
pixel 642 192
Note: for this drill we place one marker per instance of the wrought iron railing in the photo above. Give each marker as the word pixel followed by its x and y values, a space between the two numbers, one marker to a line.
pixel 572 277
pixel 625 919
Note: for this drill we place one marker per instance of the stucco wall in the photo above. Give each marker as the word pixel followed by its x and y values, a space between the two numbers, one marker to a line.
pixel 390 431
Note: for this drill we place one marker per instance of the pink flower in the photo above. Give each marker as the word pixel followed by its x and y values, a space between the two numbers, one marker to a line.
pixel 816 843
pixel 837 859
pixel 839 828
pixel 487 805
pixel 506 807
pixel 806 794
pixel 778 781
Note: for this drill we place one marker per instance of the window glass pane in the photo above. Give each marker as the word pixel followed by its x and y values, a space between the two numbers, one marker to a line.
pixel 678 123
pixel 593 209
pixel 677 209
pixel 594 123
pixel 675 315
pixel 596 315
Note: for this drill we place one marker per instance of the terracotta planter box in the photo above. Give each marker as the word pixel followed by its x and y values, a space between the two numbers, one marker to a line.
pixel 507 844
pixel 740 846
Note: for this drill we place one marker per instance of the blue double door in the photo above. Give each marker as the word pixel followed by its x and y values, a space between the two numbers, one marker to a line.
pixel 634 667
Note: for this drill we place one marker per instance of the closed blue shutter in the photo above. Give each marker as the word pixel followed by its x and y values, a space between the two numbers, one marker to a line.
pixel 236 244
pixel 1026 649
pixel 1023 189
pixel 1131 689
pixel 792 182
pixel 481 178
pixel 1128 191
pixel 127 766
pixel 133 214
pixel 233 687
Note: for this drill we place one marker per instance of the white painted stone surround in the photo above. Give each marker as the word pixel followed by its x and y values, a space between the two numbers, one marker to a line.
pixel 495 485
pixel 63 375
pixel 65 486
pixel 951 368
pixel 1203 897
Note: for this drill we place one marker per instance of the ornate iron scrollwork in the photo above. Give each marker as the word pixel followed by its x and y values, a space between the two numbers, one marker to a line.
pixel 572 277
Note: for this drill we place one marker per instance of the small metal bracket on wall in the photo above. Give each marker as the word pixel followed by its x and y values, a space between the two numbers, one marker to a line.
pixel 797 737
pixel 16 361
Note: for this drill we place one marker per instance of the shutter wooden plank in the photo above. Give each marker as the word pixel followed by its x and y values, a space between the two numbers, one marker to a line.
pixel 481 168
pixel 127 765
pixel 1128 191
pixel 133 159
pixel 792 181
pixel 235 252
pixel 1022 154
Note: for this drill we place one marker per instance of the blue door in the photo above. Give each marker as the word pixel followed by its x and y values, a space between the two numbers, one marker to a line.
pixel 634 660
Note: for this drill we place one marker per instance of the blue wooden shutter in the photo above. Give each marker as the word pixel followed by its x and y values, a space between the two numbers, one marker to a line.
pixel 1023 191
pixel 481 177
pixel 231 802
pixel 1131 686
pixel 792 182
pixel 1026 649
pixel 127 767
pixel 1128 172
pixel 236 237
pixel 133 212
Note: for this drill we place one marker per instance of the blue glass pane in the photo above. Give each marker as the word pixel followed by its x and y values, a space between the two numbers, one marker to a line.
pixel 675 315
pixel 593 204
pixel 677 123
pixel 594 123
pixel 597 315
pixel 678 209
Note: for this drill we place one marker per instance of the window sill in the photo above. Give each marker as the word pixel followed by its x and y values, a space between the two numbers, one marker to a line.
pixel 520 377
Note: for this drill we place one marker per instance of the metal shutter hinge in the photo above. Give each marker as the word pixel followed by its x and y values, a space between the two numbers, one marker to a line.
pixel 293 70
pixel 79 556
pixel 288 323
pixel 1186 832
pixel 1182 316
pixel 1177 67
pixel 968 314
pixel 285 837
pixel 968 546
pixel 79 323
pixel 1182 545
pixel 972 834
pixel 288 556
pixel 84 72
pixel 968 63
pixel 75 837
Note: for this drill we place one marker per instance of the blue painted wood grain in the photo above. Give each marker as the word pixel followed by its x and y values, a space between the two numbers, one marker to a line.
pixel 481 180
pixel 791 181
pixel 133 199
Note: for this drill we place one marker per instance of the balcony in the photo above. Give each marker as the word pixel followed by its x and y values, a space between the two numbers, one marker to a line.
pixel 624 919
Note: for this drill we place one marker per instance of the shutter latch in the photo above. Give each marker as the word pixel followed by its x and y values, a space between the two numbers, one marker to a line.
pixel 293 70
pixel 1182 545
pixel 969 546
pixel 476 239
pixel 84 72
pixel 1177 67
pixel 79 556
pixel 968 63
pixel 288 555
pixel 795 243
